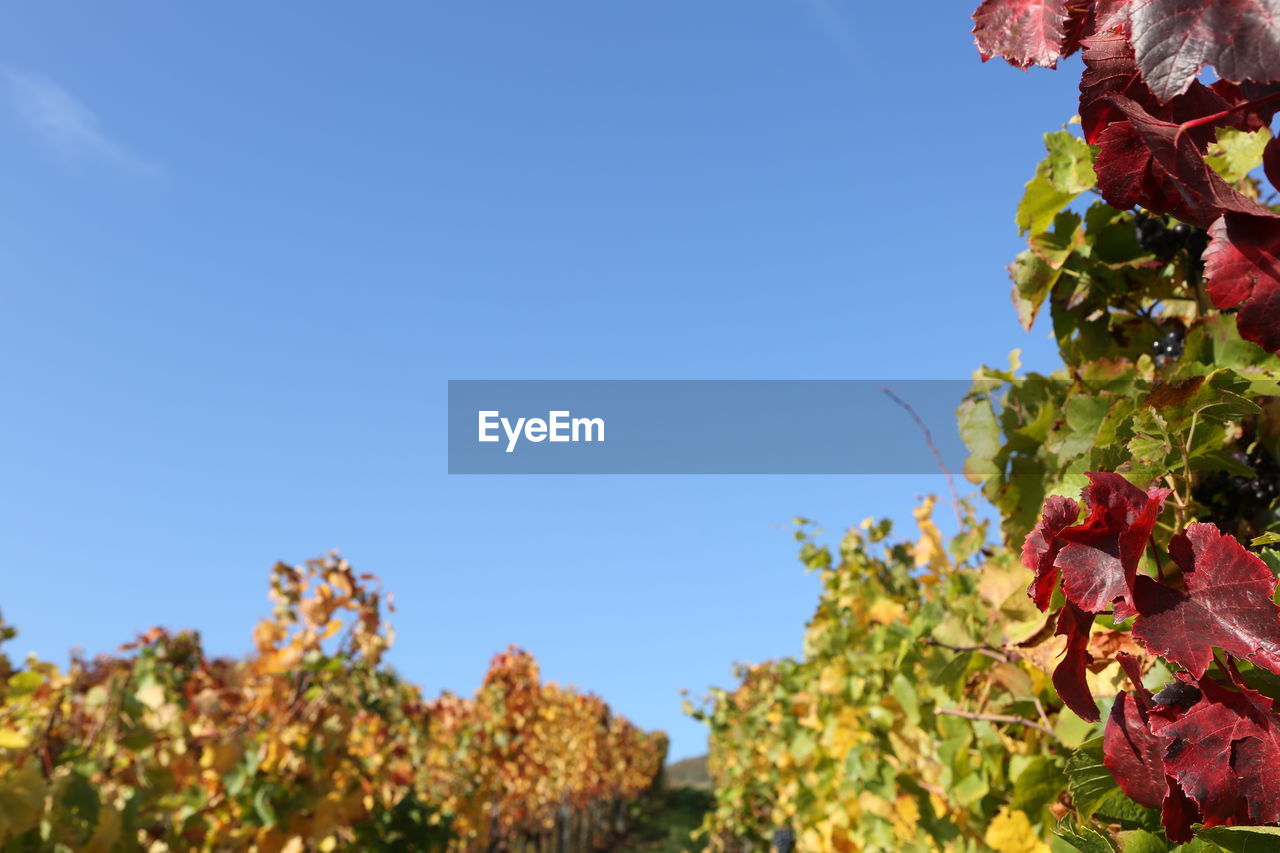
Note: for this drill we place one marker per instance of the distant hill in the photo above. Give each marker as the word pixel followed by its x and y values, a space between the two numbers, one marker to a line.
pixel 689 773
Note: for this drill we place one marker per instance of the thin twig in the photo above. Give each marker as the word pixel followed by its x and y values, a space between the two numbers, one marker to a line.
pixel 937 454
pixel 1044 718
pixel 998 718
pixel 989 651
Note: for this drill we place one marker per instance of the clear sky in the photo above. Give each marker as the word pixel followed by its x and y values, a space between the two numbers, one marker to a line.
pixel 243 247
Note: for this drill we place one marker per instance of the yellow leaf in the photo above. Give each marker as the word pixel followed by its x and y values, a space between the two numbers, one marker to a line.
pixel 885 611
pixel 929 552
pixel 1010 832
pixel 152 696
pixel 13 739
pixel 832 680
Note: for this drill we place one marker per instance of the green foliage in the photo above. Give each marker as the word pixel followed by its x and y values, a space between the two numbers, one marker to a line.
pixel 921 716
pixel 309 744
pixel 914 721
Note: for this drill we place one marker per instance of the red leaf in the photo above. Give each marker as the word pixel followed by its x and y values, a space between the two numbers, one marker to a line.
pixel 1146 161
pixel 1242 264
pixel 1069 675
pixel 1178 814
pixel 1133 754
pixel 1256 102
pixel 1080 23
pixel 1100 560
pixel 1111 69
pixel 1110 15
pixel 1175 39
pixel 1042 545
pixel 1271 162
pixel 1132 669
pixel 1024 32
pixel 1227 604
pixel 1223 752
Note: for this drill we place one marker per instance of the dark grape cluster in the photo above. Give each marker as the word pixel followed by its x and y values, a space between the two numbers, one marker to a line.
pixel 1156 236
pixel 1168 347
pixel 784 841
pixel 1237 504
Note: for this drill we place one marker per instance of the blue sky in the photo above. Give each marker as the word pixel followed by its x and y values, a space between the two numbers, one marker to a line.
pixel 243 248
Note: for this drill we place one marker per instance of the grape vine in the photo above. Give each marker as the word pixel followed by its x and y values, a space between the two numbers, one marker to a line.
pixel 1127 699
pixel 309 744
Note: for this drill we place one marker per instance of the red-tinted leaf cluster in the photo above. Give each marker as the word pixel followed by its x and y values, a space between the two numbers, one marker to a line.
pixel 1097 563
pixel 1173 39
pixel 1204 749
pixel 1153 121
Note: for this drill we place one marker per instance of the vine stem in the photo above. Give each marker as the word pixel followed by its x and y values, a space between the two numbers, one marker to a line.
pixel 989 651
pixel 998 718
pixel 1179 505
pixel 1210 119
pixel 1186 466
pixel 937 454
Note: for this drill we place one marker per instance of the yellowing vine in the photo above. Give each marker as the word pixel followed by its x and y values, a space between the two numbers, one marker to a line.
pixel 921 716
pixel 308 744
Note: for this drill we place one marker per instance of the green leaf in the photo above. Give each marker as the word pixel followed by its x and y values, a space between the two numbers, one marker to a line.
pixel 1037 785
pixel 1088 780
pixel 262 805
pixel 1040 204
pixel 1070 163
pixel 1236 153
pixel 981 434
pixel 970 789
pixel 1033 279
pixel 1084 838
pixel 1152 446
pixel 21 801
pixel 802 745
pixel 1221 460
pixel 1060 177
pixel 24 683
pixel 1056 246
pixel 1084 414
pixel 1243 839
pixel 1141 841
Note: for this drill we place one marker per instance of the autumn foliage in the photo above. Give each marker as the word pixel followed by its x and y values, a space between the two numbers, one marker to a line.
pixel 310 743
pixel 1124 696
pixel 1153 121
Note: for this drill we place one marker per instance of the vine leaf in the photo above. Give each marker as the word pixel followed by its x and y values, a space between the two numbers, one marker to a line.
pixel 1243 267
pixel 1175 39
pixel 1099 563
pixel 1069 676
pixel 1271 161
pixel 1227 604
pixel 1024 32
pixel 1133 754
pixel 1110 68
pixel 1243 839
pixel 1041 547
pixel 1222 751
pixel 1146 161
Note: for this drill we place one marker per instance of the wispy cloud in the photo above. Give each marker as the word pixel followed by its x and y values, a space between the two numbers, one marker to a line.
pixel 64 125
pixel 833 22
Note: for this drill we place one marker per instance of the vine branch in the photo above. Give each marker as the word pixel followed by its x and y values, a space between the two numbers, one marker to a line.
pixel 933 447
pixel 998 718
